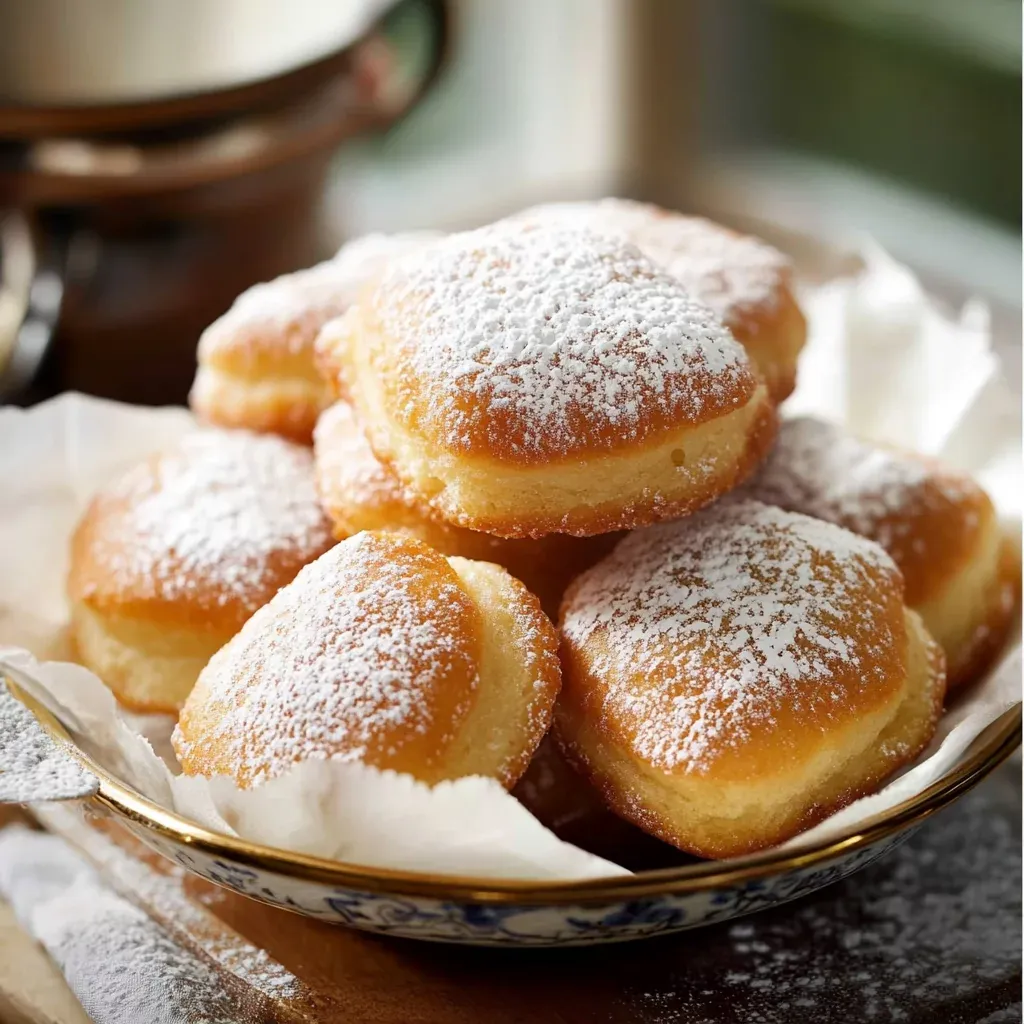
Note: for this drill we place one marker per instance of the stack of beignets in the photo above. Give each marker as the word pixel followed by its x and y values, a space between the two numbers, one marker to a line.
pixel 491 412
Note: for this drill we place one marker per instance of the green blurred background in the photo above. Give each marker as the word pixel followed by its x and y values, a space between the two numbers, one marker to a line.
pixel 927 92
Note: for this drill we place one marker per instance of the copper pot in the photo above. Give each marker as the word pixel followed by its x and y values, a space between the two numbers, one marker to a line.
pixel 140 203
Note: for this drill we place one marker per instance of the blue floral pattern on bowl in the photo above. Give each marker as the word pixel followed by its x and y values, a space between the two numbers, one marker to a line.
pixel 560 923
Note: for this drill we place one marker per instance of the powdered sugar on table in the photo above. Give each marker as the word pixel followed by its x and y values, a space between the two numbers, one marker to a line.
pixel 120 964
pixel 32 766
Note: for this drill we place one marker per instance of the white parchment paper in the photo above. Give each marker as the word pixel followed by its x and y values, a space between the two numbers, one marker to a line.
pixel 882 359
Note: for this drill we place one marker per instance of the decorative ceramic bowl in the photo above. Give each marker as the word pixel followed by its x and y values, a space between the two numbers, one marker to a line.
pixel 485 912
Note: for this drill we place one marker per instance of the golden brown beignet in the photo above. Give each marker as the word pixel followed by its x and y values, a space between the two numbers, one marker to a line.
pixel 171 559
pixel 384 652
pixel 744 280
pixel 256 368
pixel 524 380
pixel 961 574
pixel 360 493
pixel 732 678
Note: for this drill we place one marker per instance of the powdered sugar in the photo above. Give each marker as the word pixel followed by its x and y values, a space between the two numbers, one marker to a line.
pixel 715 621
pixel 291 308
pixel 729 272
pixel 121 966
pixel 277 304
pixel 32 766
pixel 161 893
pixel 928 935
pixel 547 339
pixel 820 470
pixel 346 662
pixel 225 513
pixel 361 259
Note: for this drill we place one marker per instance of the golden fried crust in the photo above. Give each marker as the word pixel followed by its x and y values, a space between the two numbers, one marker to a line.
pixel 255 364
pixel 383 652
pixel 268 403
pixel 774 342
pixel 171 559
pixel 937 531
pixel 584 497
pixel 935 522
pixel 732 677
pixel 975 640
pixel 481 425
pixel 745 281
pixel 474 418
pixel 522 381
pixel 360 493
pixel 701 823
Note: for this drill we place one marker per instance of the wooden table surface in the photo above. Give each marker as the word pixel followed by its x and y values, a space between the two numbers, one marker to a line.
pixel 929 935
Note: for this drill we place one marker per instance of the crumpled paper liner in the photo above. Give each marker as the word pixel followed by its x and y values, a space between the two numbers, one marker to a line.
pixel 882 359
pixel 348 812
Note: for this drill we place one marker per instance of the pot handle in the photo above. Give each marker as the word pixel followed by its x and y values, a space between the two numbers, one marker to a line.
pixel 31 290
pixel 439 16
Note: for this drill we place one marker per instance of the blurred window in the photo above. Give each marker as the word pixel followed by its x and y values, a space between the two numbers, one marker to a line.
pixel 926 92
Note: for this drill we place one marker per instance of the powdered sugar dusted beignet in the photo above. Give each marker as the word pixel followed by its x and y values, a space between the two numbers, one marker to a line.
pixel 383 652
pixel 744 280
pixel 731 678
pixel 361 493
pixel 171 559
pixel 256 367
pixel 961 574
pixel 528 379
